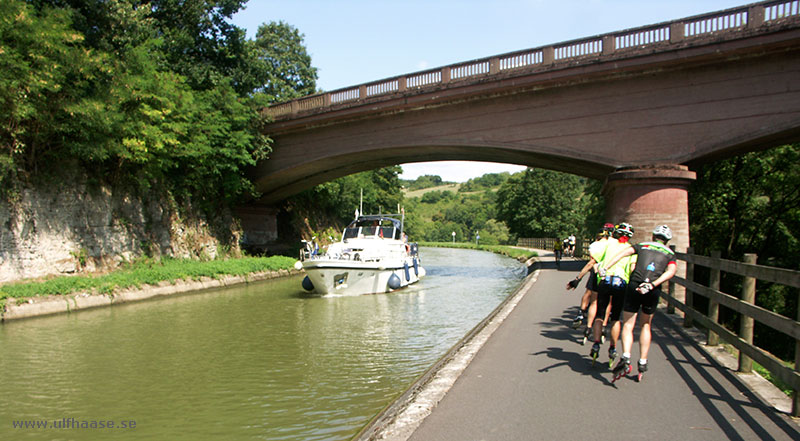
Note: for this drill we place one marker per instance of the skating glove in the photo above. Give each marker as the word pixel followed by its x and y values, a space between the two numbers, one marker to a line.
pixel 601 271
pixel 645 287
pixel 573 283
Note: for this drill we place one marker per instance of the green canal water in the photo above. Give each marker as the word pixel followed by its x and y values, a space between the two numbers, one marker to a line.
pixel 259 362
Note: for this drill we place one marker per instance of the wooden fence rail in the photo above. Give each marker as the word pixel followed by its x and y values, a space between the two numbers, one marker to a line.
pixel 744 305
pixel 546 243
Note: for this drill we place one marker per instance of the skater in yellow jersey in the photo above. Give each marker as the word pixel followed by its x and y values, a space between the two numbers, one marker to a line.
pixel 588 306
pixel 611 288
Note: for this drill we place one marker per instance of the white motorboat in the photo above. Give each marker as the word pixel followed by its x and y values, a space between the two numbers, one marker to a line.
pixel 372 257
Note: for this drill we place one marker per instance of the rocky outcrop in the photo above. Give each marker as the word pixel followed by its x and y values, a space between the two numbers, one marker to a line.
pixel 81 228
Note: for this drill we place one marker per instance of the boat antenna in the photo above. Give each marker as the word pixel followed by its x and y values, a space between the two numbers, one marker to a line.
pixel 361 202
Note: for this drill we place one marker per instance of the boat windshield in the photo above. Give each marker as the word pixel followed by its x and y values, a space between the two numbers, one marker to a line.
pixel 382 228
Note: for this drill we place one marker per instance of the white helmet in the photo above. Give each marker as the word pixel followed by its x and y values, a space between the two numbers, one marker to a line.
pixel 624 229
pixel 663 231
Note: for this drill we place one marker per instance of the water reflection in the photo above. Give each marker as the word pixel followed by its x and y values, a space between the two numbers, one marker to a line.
pixel 264 361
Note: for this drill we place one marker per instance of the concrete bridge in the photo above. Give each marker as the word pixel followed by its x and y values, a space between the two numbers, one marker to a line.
pixel 636 108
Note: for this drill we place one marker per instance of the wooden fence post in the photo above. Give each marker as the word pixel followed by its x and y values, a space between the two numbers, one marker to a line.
pixel 687 320
pixel 713 306
pixel 671 290
pixel 746 325
pixel 796 393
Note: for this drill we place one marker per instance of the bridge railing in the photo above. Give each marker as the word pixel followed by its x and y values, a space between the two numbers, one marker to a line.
pixel 692 31
pixel 744 305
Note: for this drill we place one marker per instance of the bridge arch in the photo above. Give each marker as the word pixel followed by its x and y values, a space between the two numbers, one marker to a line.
pixel 635 108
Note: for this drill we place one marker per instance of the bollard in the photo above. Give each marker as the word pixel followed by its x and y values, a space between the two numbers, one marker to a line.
pixel 713 305
pixel 746 325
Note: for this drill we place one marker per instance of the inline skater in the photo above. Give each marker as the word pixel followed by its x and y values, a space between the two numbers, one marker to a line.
pixel 611 289
pixel 557 250
pixel 588 307
pixel 655 265
pixel 571 242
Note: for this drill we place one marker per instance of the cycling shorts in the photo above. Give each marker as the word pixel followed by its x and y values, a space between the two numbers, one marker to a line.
pixel 634 300
pixel 591 284
pixel 610 293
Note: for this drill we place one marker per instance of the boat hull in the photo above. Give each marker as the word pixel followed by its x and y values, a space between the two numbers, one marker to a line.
pixel 349 277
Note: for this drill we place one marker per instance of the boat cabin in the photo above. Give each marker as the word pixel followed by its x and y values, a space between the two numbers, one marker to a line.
pixel 381 227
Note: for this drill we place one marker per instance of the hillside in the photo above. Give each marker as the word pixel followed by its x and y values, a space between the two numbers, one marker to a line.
pixel 454 187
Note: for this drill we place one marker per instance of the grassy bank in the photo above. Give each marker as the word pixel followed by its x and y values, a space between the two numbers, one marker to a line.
pixel 515 253
pixel 144 272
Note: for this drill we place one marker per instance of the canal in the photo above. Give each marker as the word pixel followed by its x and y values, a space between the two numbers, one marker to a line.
pixel 264 361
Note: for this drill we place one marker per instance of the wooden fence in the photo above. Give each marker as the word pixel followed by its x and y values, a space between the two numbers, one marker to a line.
pixel 546 243
pixel 744 305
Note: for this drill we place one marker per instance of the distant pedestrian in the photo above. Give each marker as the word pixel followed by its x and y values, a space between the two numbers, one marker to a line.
pixel 557 250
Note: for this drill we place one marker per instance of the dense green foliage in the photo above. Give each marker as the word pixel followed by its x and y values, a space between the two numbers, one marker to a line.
pixel 424 181
pixel 437 215
pixel 751 204
pixel 486 182
pixel 545 203
pixel 334 203
pixel 148 272
pixel 161 95
pixel 501 207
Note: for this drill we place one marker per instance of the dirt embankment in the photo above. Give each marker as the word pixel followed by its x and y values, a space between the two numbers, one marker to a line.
pixel 40 306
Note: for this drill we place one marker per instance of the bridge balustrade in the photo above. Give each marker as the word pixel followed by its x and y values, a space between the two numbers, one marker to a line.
pixel 693 31
pixel 744 305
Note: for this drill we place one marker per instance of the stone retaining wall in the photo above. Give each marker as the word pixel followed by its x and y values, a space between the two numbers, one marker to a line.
pixel 74 227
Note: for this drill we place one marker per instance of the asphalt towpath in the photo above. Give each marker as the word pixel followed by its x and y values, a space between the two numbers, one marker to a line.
pixel 533 380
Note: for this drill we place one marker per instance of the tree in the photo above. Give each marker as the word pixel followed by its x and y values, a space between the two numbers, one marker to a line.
pixel 283 69
pixel 751 204
pixel 44 73
pixel 425 181
pixel 335 202
pixel 541 203
pixel 487 181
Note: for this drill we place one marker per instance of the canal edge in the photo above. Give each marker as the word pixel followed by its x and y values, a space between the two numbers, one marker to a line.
pixel 52 305
pixel 400 418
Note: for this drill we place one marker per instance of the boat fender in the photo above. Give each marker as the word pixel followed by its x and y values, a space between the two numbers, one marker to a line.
pixel 394 281
pixel 416 267
pixel 408 274
pixel 307 285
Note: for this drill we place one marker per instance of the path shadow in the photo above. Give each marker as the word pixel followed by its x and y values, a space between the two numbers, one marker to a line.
pixel 745 403
pixel 564 265
pixel 577 363
pixel 560 328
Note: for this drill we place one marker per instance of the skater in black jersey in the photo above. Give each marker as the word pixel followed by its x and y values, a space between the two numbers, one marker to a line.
pixel 655 264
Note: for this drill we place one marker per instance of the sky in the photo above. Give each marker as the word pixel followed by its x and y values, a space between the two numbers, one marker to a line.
pixel 357 41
